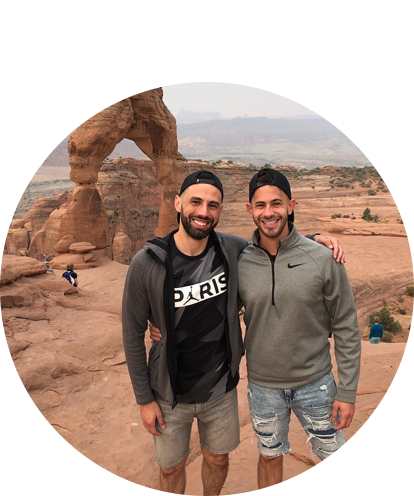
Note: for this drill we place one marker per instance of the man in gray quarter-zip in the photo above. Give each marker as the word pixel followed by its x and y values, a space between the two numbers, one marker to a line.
pixel 295 296
pixel 186 284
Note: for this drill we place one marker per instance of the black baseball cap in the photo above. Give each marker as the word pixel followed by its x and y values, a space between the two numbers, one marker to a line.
pixel 270 177
pixel 201 177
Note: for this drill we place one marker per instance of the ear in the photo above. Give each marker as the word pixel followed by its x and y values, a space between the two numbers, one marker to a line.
pixel 249 208
pixel 292 204
pixel 177 203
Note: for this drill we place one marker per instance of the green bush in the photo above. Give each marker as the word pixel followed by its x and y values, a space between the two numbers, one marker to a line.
pixel 388 322
pixel 410 290
pixel 229 161
pixel 387 337
pixel 402 311
pixel 346 216
pixel 367 215
pixel 371 192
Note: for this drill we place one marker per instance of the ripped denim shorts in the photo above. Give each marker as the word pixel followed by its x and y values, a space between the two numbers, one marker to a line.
pixel 270 411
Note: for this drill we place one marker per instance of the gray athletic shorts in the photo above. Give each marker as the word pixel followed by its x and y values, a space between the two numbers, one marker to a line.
pixel 218 428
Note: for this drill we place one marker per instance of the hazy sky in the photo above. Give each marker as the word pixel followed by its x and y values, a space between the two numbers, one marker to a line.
pixel 232 99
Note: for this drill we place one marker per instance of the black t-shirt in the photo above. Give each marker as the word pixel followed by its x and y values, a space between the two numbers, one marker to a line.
pixel 200 298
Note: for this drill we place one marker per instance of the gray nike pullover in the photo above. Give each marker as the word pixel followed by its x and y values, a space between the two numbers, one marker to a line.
pixel 291 306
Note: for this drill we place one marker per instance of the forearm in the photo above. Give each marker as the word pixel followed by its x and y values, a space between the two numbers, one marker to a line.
pixel 340 303
pixel 135 354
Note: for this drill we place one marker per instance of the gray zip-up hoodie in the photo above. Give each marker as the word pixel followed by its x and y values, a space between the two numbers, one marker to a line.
pixel 149 295
pixel 291 307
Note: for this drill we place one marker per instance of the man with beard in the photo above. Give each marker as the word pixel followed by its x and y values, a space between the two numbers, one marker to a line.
pixel 294 296
pixel 186 285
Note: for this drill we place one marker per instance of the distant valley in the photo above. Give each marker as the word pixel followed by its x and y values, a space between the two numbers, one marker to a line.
pixel 296 141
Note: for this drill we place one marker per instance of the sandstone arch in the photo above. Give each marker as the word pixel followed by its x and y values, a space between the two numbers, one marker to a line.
pixel 142 118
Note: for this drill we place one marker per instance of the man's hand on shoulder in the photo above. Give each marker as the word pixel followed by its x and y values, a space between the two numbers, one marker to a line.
pixel 150 413
pixel 347 411
pixel 332 243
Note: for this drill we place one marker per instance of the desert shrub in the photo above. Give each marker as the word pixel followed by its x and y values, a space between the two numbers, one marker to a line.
pixel 184 159
pixel 371 192
pixel 375 218
pixel 410 290
pixel 402 311
pixel 353 218
pixel 367 215
pixel 340 185
pixel 230 161
pixel 406 219
pixel 218 162
pixel 346 216
pixel 388 322
pixel 387 337
pixel 336 216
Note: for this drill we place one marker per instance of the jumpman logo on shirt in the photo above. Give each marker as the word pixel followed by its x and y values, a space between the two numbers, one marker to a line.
pixel 190 296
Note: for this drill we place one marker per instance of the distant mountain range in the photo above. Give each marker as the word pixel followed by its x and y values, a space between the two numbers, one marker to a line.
pixel 302 141
pixel 190 117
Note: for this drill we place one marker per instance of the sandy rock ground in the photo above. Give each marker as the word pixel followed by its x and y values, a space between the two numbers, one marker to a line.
pixel 68 352
pixel 67 346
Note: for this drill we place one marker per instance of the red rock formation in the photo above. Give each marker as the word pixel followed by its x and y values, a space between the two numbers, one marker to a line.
pixel 142 118
pixel 23 237
pixel 131 196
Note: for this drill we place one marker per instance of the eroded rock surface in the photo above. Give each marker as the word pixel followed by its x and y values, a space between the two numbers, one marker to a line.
pixel 68 351
pixel 142 118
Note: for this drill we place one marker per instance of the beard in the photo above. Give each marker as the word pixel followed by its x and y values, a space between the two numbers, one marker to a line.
pixel 194 232
pixel 271 233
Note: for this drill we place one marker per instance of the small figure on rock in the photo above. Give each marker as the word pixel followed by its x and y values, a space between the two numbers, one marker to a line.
pixel 376 332
pixel 70 275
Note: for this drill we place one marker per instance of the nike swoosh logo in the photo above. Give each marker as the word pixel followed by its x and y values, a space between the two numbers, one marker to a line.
pixel 291 266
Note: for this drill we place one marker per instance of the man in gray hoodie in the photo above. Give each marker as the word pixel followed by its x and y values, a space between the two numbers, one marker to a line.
pixel 295 296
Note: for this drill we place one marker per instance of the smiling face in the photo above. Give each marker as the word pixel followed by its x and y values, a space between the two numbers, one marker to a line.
pixel 200 207
pixel 270 208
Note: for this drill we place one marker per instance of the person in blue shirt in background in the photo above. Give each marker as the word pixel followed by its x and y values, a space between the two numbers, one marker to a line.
pixel 376 332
